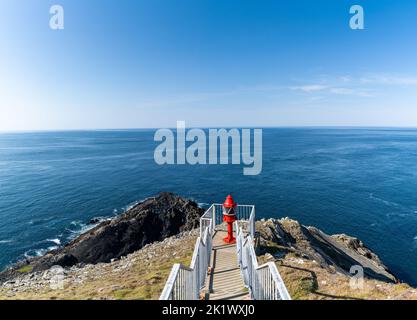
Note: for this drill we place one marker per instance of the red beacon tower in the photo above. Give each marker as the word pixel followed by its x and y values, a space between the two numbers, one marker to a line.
pixel 229 216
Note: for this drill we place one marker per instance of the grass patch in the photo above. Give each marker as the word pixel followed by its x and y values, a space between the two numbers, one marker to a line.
pixel 25 269
pixel 122 293
pixel 143 278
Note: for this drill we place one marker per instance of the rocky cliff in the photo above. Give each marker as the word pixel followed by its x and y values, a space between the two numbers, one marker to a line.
pixel 130 257
pixel 334 253
pixel 152 220
pixel 317 266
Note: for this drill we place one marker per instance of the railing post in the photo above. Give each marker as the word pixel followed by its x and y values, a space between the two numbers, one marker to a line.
pixel 252 223
pixel 213 209
pixel 167 292
pixel 196 290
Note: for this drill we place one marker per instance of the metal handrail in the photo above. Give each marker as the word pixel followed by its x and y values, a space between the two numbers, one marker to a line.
pixel 186 283
pixel 244 214
pixel 209 217
pixel 264 282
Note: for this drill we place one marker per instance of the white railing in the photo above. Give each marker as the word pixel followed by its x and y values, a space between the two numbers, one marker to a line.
pixel 245 214
pixel 207 219
pixel 186 283
pixel 264 282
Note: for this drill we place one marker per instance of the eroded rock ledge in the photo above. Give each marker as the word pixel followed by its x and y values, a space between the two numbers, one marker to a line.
pixel 335 253
pixel 153 220
pixel 169 215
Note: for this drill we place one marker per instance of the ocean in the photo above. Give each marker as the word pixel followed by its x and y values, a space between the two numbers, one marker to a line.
pixel 360 181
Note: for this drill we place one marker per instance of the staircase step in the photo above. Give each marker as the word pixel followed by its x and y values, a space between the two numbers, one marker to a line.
pixel 226 278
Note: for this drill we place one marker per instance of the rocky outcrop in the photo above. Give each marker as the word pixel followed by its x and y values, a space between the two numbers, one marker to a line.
pixel 139 275
pixel 143 274
pixel 334 253
pixel 313 265
pixel 131 256
pixel 152 220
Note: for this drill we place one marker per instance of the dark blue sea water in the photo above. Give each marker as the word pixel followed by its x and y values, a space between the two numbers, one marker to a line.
pixel 362 182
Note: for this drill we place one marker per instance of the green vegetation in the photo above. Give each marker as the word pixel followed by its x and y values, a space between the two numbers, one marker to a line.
pixel 25 269
pixel 141 276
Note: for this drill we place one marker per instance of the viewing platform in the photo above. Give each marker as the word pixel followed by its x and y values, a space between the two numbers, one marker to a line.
pixel 224 265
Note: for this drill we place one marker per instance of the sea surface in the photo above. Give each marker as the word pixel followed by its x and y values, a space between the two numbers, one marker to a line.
pixel 362 182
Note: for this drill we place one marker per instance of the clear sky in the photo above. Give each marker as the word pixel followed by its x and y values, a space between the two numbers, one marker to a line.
pixel 135 64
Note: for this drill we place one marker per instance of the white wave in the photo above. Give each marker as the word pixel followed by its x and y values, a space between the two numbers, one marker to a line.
pixel 76 223
pixel 56 241
pixel 5 241
pixel 35 253
pixel 203 204
pixel 82 228
pixel 40 252
pixel 386 202
pixel 135 203
pixel 130 206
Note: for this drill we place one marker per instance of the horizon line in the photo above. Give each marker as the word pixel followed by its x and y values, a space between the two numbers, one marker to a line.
pixel 209 127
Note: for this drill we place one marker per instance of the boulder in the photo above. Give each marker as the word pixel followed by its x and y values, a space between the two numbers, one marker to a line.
pixel 152 220
pixel 336 252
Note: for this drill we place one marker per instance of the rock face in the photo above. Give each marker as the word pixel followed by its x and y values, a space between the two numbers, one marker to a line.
pixel 152 220
pixel 139 275
pixel 155 234
pixel 157 219
pixel 334 253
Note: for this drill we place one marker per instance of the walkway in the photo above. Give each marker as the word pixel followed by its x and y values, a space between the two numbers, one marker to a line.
pixel 225 282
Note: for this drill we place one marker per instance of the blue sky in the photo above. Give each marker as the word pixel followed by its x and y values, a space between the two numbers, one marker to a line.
pixel 139 64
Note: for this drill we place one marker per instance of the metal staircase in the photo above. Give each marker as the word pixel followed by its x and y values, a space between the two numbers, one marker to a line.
pixel 221 271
